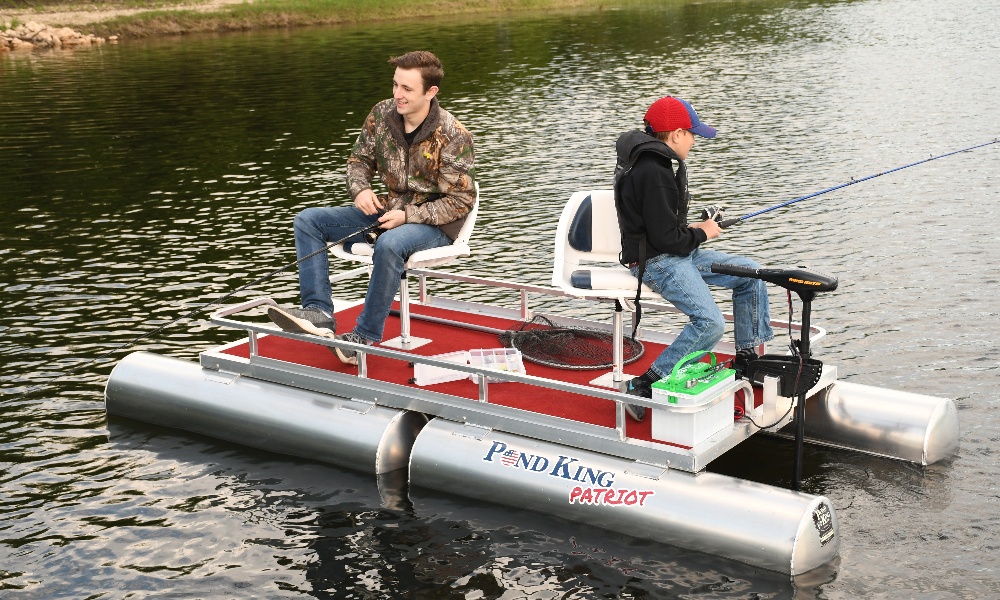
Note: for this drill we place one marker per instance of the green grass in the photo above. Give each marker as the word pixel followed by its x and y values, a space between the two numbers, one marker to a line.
pixel 168 19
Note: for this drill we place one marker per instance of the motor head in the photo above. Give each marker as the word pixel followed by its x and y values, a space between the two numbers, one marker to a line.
pixel 801 279
pixel 796 279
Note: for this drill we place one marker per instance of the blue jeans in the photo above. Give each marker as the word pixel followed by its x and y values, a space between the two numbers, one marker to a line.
pixel 317 227
pixel 681 280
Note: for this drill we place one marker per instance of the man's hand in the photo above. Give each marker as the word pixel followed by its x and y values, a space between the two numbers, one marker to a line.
pixel 392 219
pixel 367 202
pixel 710 227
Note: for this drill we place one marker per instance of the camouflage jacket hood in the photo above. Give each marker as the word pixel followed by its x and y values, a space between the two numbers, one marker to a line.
pixel 432 180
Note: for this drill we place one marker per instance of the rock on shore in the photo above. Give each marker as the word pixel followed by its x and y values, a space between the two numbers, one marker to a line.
pixel 36 36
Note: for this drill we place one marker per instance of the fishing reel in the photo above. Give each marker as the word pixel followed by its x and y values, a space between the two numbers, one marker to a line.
pixel 714 213
pixel 371 236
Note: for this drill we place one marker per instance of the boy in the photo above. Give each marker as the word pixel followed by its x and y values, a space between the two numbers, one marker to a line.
pixel 662 249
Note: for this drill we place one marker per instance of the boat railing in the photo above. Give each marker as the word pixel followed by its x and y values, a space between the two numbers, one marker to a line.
pixel 525 311
pixel 477 415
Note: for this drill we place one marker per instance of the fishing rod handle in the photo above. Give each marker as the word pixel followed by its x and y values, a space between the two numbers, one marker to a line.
pixel 728 222
pixel 735 270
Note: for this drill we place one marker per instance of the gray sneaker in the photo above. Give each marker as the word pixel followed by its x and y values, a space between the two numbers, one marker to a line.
pixel 346 355
pixel 635 411
pixel 637 386
pixel 303 320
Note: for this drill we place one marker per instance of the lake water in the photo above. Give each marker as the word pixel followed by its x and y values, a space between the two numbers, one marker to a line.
pixel 141 180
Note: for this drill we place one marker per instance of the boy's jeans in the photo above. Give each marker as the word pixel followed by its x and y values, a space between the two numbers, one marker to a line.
pixel 682 280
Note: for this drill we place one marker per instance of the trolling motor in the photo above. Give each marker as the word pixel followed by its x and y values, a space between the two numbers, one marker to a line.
pixel 798 372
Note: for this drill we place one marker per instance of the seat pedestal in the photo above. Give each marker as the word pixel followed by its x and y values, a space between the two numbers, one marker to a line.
pixel 615 378
pixel 408 343
pixel 405 341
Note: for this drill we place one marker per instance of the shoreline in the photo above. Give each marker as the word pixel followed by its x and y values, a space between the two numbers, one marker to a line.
pixel 119 19
pixel 73 15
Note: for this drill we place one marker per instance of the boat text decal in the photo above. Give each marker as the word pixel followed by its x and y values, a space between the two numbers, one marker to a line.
pixel 597 485
pixel 823 521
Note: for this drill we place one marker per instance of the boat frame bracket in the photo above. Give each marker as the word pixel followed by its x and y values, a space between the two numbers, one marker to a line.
pixel 648 470
pixel 358 405
pixel 473 431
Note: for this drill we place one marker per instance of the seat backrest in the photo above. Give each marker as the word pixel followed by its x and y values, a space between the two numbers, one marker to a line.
pixel 587 247
pixel 465 233
pixel 593 228
pixel 442 255
pixel 587 232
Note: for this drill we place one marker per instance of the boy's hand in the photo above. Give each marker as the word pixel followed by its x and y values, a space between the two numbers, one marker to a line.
pixel 710 227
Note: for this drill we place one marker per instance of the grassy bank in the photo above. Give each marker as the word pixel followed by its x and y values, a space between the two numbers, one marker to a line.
pixel 134 18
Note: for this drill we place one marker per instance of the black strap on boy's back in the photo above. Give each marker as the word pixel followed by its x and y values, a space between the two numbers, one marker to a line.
pixel 620 172
pixel 638 287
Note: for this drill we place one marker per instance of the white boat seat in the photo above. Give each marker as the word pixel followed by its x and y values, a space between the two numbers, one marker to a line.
pixel 424 259
pixel 587 247
pixel 604 278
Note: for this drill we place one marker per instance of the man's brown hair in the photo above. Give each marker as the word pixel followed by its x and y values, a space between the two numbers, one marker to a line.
pixel 431 71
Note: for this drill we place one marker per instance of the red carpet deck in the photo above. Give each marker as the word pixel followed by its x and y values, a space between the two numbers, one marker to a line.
pixel 448 338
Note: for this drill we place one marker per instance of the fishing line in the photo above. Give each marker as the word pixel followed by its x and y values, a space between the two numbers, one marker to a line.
pixel 198 309
pixel 728 222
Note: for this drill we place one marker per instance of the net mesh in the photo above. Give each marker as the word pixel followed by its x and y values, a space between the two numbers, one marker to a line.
pixel 542 342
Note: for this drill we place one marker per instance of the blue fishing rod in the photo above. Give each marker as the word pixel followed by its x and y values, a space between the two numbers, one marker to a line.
pixel 806 284
pixel 724 223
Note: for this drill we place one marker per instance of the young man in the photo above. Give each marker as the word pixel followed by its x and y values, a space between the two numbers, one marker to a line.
pixel 424 158
pixel 660 247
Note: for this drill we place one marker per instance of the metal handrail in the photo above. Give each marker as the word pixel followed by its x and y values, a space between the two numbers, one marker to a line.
pixel 484 374
pixel 815 332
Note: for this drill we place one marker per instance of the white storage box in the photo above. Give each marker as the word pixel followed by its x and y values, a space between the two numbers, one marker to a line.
pixel 686 419
pixel 424 374
pixel 499 359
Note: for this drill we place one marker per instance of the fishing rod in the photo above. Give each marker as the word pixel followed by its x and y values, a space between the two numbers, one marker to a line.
pixel 198 309
pixel 724 223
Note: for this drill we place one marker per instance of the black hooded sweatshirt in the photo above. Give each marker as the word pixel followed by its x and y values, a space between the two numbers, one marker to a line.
pixel 652 200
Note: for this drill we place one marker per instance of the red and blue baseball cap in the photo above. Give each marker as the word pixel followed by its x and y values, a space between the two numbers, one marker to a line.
pixel 669 113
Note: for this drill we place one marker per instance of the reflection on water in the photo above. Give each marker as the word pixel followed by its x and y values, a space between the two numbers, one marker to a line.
pixel 142 180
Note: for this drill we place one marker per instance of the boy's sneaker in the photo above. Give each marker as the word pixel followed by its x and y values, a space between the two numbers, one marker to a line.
pixel 638 386
pixel 303 320
pixel 346 355
pixel 742 360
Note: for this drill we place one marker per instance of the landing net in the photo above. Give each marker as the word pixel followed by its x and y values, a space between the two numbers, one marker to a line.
pixel 577 348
